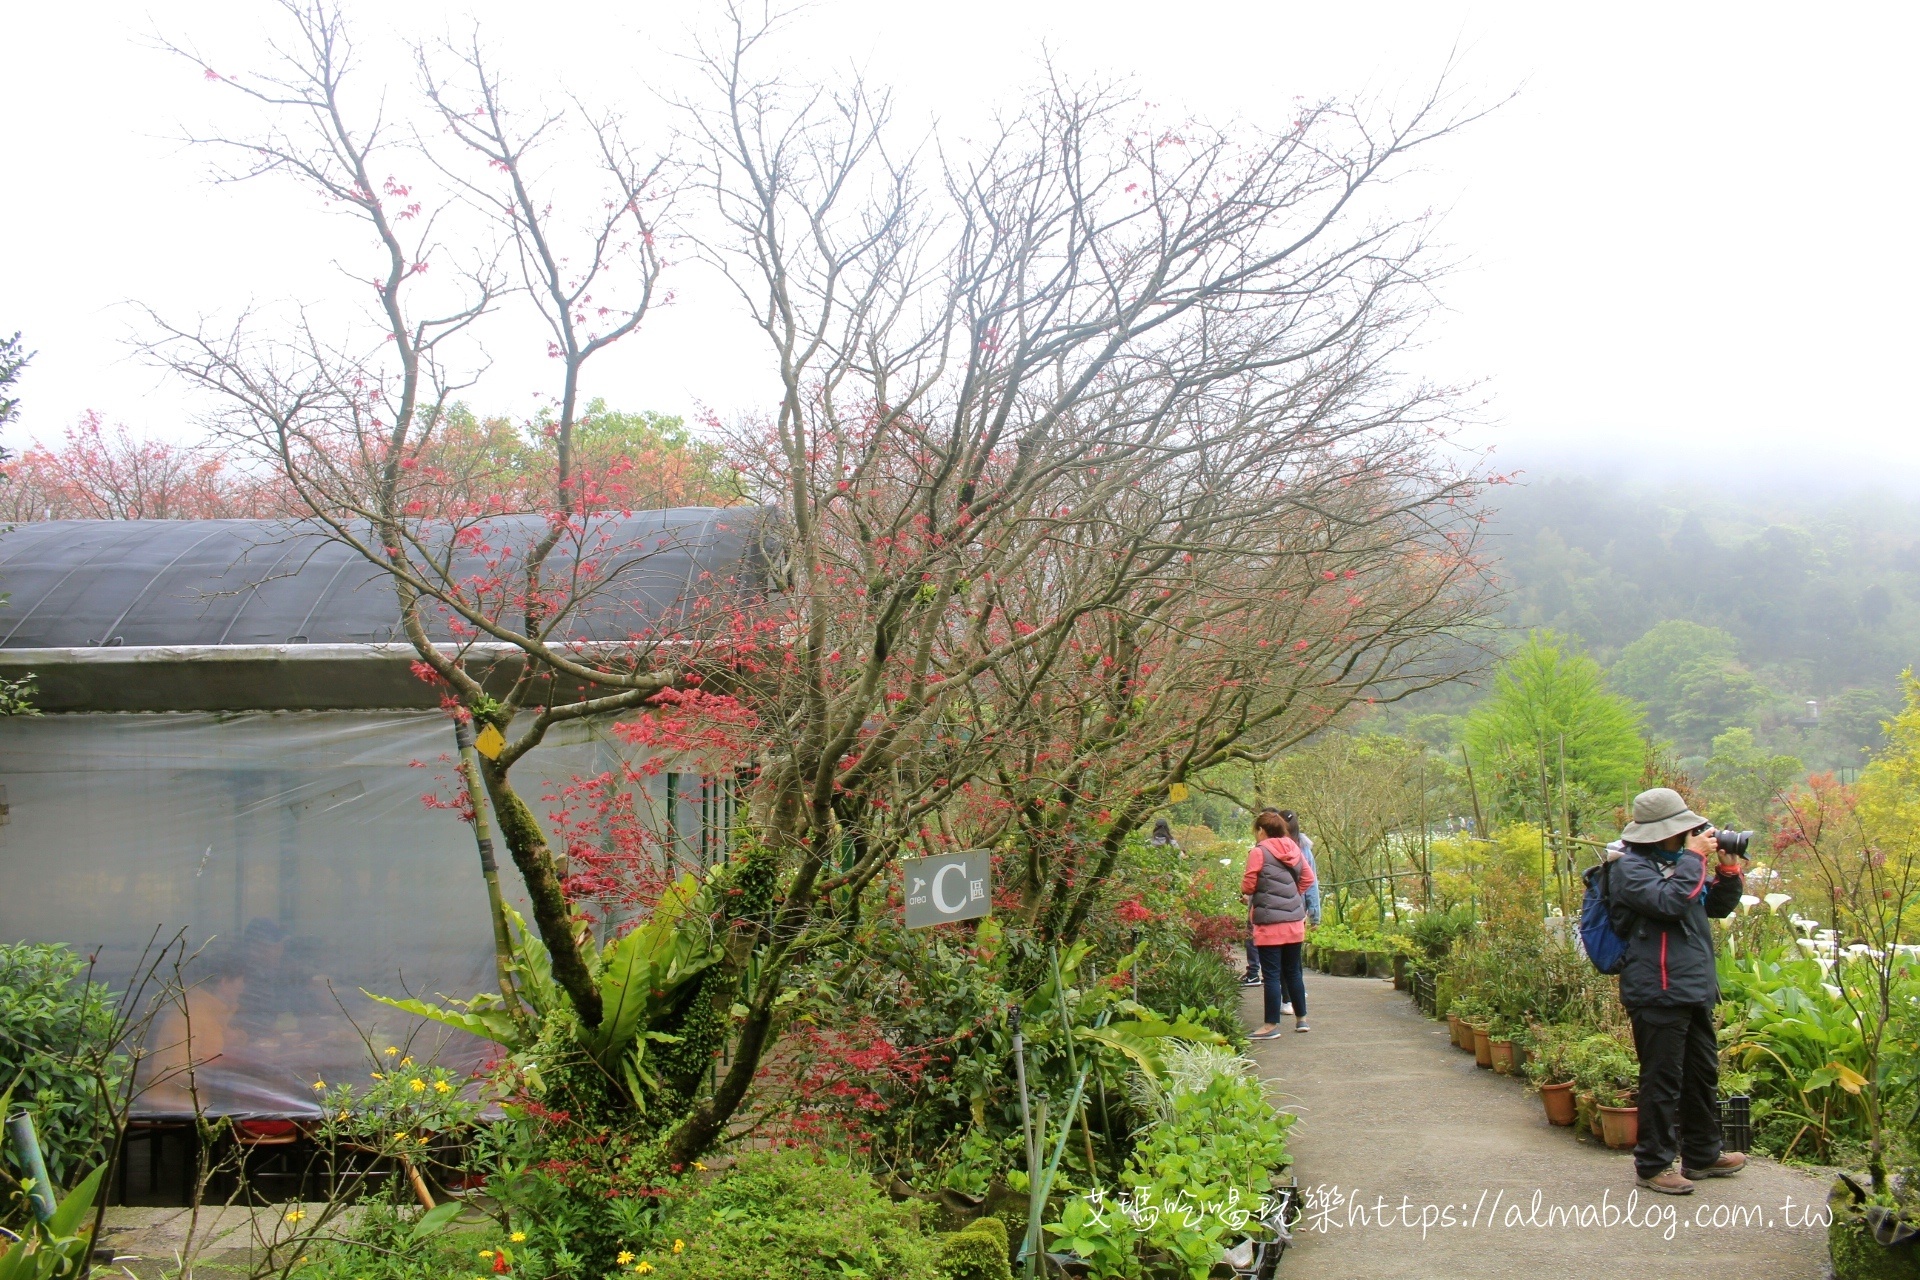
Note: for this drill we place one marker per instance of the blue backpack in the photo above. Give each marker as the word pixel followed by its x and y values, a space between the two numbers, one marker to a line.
pixel 1606 947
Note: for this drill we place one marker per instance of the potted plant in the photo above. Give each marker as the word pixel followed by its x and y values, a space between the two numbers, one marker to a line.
pixel 1547 1070
pixel 1619 1117
pixel 1500 1046
pixel 1467 1011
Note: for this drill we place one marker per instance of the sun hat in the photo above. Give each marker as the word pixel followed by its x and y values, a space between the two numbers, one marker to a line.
pixel 1660 813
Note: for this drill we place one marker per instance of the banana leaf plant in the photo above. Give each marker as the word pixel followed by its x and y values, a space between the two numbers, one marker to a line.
pixel 644 977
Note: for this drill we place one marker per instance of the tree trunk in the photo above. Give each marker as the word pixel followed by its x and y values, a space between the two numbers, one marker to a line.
pixel 552 914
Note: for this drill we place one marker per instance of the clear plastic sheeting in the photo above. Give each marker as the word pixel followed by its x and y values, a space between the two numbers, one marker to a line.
pixel 296 847
pixel 84 583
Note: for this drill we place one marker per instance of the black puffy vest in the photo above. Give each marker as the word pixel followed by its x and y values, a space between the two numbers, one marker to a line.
pixel 1276 892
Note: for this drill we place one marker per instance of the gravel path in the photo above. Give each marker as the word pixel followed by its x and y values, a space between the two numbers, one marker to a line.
pixel 1395 1122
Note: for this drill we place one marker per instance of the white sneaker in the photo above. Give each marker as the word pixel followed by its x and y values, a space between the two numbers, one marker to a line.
pixel 1286 1008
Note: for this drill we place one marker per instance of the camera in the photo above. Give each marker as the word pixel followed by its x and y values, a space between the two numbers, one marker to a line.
pixel 1733 842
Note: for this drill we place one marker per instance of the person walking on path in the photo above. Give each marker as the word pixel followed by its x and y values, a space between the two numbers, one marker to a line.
pixel 1305 842
pixel 1275 885
pixel 1659 898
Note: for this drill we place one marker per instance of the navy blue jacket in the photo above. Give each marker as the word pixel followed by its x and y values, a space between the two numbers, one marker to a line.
pixel 1662 908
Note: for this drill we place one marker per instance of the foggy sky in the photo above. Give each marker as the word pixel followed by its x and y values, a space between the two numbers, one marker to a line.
pixel 1685 245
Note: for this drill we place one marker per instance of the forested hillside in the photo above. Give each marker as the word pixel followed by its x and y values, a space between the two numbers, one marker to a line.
pixel 1718 606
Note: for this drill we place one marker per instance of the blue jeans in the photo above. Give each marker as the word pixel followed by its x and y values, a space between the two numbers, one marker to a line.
pixel 1283 979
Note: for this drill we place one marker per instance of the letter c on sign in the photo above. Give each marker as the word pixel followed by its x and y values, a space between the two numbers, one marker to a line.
pixel 939 896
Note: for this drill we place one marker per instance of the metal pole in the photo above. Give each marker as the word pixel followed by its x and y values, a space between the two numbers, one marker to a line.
pixel 1426 861
pixel 489 870
pixel 1026 1131
pixel 1479 825
pixel 1566 830
pixel 1546 824
pixel 26 1148
pixel 1134 968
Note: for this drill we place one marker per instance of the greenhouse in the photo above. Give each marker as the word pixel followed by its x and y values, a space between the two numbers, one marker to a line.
pixel 232 744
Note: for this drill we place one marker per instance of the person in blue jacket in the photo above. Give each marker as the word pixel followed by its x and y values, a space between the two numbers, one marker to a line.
pixel 1662 890
pixel 1252 977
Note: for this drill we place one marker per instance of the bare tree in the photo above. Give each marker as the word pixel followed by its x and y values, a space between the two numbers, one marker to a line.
pixel 1067 373
pixel 1092 464
pixel 354 428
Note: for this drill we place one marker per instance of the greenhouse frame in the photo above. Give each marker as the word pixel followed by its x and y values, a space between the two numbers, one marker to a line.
pixel 233 744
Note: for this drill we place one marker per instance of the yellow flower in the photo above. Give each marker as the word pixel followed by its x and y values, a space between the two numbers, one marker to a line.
pixel 644 1269
pixel 487 1254
pixel 319 1085
pixel 702 1168
pixel 423 1139
pixel 391 1051
pixel 518 1237
pixel 376 1075
pixel 441 1086
pixel 679 1246
pixel 417 1085
pixel 295 1215
pixel 407 1061
pixel 623 1257
pixel 346 1115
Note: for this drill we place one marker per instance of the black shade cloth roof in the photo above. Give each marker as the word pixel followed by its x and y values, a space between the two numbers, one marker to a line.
pixel 89 583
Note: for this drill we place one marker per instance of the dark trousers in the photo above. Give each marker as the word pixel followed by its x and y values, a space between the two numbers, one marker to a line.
pixel 1283 979
pixel 1253 952
pixel 1679 1087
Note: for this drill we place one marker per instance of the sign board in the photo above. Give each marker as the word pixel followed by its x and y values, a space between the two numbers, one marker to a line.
pixel 946 888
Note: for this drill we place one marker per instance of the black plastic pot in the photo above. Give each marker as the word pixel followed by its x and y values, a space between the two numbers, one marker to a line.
pixel 1736 1123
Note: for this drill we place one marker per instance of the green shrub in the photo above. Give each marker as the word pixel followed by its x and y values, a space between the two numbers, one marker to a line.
pixel 790 1214
pixel 1194 1181
pixel 57 1027
pixel 581 1195
pixel 383 1244
pixel 977 1253
pixel 1182 979
pixel 1433 932
pixel 1335 936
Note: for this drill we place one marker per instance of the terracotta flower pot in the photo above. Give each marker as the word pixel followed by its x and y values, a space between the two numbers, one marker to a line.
pixel 1482 1049
pixel 1619 1126
pixel 1454 1028
pixel 1501 1051
pixel 1558 1100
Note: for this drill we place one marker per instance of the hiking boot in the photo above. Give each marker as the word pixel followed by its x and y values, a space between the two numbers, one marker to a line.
pixel 1726 1166
pixel 1667 1182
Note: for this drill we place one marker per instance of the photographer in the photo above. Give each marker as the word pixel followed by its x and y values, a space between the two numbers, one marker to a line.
pixel 1660 897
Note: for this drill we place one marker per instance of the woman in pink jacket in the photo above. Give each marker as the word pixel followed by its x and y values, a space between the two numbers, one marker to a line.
pixel 1275 886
